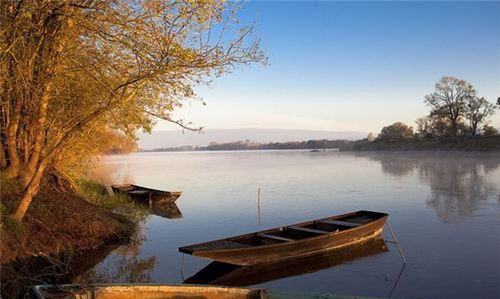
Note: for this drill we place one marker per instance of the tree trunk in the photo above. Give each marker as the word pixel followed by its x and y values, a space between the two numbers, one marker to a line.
pixel 12 170
pixel 29 169
pixel 3 161
pixel 474 129
pixel 30 191
pixel 454 127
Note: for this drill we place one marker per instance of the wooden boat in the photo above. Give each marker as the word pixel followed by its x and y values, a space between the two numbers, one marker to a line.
pixel 151 291
pixel 217 273
pixel 292 241
pixel 147 195
pixel 142 292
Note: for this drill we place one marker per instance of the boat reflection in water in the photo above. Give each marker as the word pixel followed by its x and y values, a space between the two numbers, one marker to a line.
pixel 218 273
pixel 168 210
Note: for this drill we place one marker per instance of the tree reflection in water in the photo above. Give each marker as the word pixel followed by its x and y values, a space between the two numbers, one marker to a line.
pixel 457 181
pixel 397 164
pixel 128 266
pixel 457 186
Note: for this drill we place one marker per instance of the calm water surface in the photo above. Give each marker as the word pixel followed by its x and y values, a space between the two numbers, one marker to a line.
pixel 444 209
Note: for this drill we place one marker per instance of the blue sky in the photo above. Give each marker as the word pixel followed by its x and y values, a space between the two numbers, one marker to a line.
pixel 352 65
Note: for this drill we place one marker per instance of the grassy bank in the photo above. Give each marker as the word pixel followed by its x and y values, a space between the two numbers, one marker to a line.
pixel 57 222
pixel 58 226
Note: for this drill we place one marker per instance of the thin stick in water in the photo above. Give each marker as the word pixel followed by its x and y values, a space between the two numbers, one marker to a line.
pixel 397 280
pixel 397 243
pixel 258 205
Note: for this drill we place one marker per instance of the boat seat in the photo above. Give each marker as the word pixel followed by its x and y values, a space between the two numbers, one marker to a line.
pixel 276 238
pixel 139 192
pixel 342 223
pixel 308 230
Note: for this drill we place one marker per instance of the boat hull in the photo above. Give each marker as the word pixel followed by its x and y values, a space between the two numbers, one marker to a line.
pixel 147 195
pixel 252 255
pixel 131 291
pixel 152 291
pixel 217 273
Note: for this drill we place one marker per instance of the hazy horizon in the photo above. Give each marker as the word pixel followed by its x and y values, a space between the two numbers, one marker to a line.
pixel 175 138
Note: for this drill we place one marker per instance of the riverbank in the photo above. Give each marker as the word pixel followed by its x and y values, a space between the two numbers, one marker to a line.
pixel 461 143
pixel 57 224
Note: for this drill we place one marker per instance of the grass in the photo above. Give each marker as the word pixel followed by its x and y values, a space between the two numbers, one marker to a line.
pixel 60 222
pixel 119 203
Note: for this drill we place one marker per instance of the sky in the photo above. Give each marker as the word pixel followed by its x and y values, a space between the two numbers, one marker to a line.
pixel 352 66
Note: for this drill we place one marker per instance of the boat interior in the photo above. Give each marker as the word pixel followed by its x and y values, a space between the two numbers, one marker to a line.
pixel 124 187
pixel 290 233
pixel 308 229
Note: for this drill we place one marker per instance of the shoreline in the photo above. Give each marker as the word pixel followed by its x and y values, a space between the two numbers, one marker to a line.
pixel 464 143
pixel 59 225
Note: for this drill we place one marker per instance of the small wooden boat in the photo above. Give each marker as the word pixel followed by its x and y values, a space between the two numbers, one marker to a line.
pixel 217 273
pixel 292 241
pixel 131 291
pixel 147 195
pixel 152 291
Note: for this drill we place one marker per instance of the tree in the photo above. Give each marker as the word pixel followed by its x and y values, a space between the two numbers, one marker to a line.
pixel 478 111
pixel 425 127
pixel 432 126
pixel 449 100
pixel 370 137
pixel 74 69
pixel 396 132
pixel 489 130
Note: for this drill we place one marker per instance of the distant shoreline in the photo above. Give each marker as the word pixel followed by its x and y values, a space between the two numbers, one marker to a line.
pixel 464 143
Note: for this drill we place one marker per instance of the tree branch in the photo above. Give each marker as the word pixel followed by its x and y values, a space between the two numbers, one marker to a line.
pixel 180 123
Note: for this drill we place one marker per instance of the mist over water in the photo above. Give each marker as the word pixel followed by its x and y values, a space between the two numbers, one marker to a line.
pixel 444 208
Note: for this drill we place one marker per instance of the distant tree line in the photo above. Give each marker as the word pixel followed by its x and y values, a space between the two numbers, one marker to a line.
pixel 455 111
pixel 247 145
pixel 250 145
pixel 458 119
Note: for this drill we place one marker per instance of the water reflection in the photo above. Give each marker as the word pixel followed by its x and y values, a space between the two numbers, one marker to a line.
pixel 17 278
pixel 396 164
pixel 418 189
pixel 170 210
pixel 457 182
pixel 218 273
pixel 457 187
pixel 128 266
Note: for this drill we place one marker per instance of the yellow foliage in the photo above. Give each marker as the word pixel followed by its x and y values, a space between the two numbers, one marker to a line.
pixel 72 72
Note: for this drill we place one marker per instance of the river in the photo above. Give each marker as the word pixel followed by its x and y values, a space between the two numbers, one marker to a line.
pixel 444 209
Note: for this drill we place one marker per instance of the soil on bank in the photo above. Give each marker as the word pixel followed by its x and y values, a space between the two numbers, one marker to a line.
pixel 57 222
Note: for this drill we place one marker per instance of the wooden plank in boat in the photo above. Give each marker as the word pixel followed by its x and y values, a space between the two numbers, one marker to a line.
pixel 342 223
pixel 139 192
pixel 308 230
pixel 273 237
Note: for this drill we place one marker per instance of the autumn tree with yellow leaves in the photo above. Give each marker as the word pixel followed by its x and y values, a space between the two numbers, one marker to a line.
pixel 72 71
